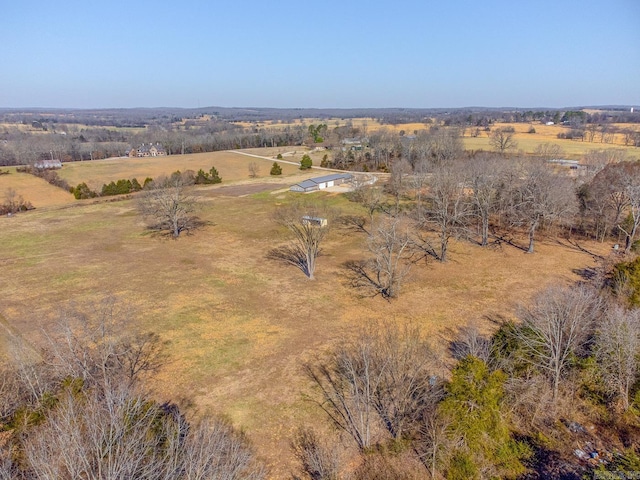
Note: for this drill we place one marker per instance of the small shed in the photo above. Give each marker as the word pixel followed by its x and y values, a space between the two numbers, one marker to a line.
pixel 315 221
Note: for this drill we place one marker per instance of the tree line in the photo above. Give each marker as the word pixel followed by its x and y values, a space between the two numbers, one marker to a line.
pixel 506 408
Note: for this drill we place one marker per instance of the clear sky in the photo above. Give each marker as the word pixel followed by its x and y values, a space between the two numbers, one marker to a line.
pixel 331 53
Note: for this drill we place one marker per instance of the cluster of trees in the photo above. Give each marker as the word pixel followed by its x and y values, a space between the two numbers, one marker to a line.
pixel 207 178
pixel 25 148
pixel 507 406
pixel 488 200
pixel 385 148
pixel 121 187
pixel 78 408
pixel 48 175
pixel 602 133
pixel 485 199
pixel 14 203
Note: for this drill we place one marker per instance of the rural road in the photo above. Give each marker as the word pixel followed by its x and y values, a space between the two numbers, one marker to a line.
pixel 271 159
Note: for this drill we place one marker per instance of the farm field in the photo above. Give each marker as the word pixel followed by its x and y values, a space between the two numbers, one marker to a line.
pixel 237 326
pixel 231 166
pixel 527 142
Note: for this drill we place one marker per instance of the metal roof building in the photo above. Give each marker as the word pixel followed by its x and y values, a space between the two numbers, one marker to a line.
pixel 320 183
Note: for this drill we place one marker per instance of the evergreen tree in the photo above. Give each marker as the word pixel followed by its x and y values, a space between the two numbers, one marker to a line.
pixel 276 169
pixel 214 176
pixel 474 405
pixel 306 162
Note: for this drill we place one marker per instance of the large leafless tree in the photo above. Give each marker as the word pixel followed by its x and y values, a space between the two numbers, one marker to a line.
pixel 96 419
pixel 309 224
pixel 447 209
pixel 485 178
pixel 618 350
pixel 392 253
pixel 503 140
pixel 379 382
pixel 556 326
pixel 169 205
pixel 537 196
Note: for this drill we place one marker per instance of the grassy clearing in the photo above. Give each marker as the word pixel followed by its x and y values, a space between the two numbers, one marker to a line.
pixel 231 166
pixel 33 189
pixel 548 134
pixel 528 143
pixel 237 326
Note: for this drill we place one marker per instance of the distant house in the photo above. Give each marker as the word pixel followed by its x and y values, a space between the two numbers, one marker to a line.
pixel 320 183
pixel 147 150
pixel 355 144
pixel 47 164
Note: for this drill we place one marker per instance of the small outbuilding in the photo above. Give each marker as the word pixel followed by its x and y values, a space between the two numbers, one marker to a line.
pixel 47 164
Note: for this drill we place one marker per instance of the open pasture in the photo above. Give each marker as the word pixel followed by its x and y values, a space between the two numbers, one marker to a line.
pixel 33 189
pixel 237 326
pixel 231 166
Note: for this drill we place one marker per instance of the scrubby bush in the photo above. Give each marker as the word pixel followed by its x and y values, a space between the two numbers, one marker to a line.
pixel 626 281
pixel 207 178
pixel 82 191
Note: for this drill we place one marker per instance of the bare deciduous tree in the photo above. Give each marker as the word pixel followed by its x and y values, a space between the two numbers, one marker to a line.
pixel 618 350
pixel 469 341
pixel 537 196
pixel 502 139
pixel 486 180
pixel 254 169
pixel 95 420
pixel 447 209
pixel 631 189
pixel 100 344
pixel 556 326
pixel 548 151
pixel 434 440
pixel 318 460
pixel 309 224
pixel 168 204
pixel 378 382
pixel 393 253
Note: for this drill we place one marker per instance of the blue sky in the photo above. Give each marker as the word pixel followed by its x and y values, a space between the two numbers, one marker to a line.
pixel 241 53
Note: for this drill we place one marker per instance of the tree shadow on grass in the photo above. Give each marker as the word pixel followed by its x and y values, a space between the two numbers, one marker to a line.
pixel 290 255
pixel 162 230
pixel 359 276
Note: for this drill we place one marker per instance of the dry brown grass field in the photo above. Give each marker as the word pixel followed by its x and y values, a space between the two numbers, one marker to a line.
pixel 231 166
pixel 527 142
pixel 237 326
pixel 548 134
